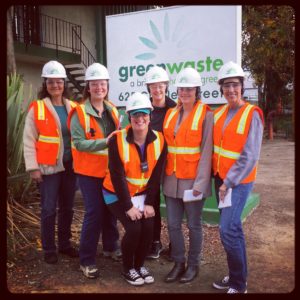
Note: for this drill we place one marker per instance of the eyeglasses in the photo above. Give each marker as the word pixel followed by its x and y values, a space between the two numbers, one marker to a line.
pixel 160 86
pixel 98 84
pixel 53 82
pixel 186 89
pixel 139 114
pixel 234 85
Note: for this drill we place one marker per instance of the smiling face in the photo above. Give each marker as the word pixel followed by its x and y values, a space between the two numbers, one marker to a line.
pixel 98 88
pixel 187 94
pixel 158 91
pixel 55 86
pixel 140 121
pixel 232 91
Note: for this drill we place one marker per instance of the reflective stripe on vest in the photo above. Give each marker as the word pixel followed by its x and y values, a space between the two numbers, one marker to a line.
pixel 86 117
pixel 242 123
pixel 226 153
pixel 41 110
pixel 48 142
pixel 125 146
pixel 48 139
pixel 157 146
pixel 73 104
pixel 138 181
pixel 197 117
pixel 99 152
pixel 113 108
pixel 174 111
pixel 194 126
pixel 183 150
pixel 218 115
pixel 243 120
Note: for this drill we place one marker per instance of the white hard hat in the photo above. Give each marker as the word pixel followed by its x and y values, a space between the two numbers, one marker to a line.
pixel 156 74
pixel 138 101
pixel 229 70
pixel 96 71
pixel 53 69
pixel 188 77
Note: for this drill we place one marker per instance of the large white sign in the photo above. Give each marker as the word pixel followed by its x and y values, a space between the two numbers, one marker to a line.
pixel 202 37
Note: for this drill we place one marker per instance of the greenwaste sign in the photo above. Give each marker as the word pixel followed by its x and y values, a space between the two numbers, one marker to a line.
pixel 201 37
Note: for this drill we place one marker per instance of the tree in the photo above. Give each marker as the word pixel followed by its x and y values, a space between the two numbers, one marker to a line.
pixel 269 52
pixel 11 62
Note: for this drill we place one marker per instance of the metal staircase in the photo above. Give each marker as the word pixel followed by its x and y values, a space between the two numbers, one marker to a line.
pixel 33 28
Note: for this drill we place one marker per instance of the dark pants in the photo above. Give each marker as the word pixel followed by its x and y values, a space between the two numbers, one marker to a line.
pixel 57 189
pixel 137 238
pixel 97 219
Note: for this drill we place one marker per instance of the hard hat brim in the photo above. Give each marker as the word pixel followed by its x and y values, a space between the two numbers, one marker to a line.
pixel 54 76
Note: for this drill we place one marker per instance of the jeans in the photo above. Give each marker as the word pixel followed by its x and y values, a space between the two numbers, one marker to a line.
pixel 193 210
pixel 231 233
pixel 97 219
pixel 57 189
pixel 137 238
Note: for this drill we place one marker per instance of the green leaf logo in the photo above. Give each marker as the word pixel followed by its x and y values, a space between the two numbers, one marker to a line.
pixel 178 38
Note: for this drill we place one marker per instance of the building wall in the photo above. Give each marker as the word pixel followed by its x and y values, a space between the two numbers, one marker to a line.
pixel 79 14
pixel 32 77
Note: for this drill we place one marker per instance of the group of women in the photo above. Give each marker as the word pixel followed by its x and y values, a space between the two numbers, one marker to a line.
pixel 176 146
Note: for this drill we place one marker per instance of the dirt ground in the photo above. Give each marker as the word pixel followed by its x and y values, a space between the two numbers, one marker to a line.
pixel 270 238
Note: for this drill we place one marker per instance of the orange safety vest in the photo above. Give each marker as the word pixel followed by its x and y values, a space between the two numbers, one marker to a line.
pixel 229 145
pixel 91 163
pixel 48 143
pixel 184 150
pixel 136 180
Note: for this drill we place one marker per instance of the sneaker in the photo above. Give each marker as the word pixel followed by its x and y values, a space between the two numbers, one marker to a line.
pixel 71 252
pixel 114 255
pixel 90 271
pixel 146 275
pixel 133 277
pixel 234 291
pixel 155 250
pixel 222 284
pixel 50 258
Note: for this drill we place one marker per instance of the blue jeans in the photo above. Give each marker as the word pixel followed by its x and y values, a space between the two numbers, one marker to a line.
pixel 97 219
pixel 193 210
pixel 57 189
pixel 232 236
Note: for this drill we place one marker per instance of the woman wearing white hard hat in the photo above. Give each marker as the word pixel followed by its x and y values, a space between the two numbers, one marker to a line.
pixel 188 133
pixel 136 156
pixel 92 125
pixel 157 81
pixel 48 159
pixel 238 132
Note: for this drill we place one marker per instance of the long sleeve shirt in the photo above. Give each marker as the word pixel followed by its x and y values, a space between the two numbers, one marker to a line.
pixel 251 152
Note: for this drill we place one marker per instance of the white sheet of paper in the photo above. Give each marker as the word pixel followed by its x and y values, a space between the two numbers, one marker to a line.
pixel 188 196
pixel 227 199
pixel 138 201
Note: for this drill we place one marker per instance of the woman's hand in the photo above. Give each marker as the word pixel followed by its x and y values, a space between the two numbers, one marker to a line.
pixel 109 137
pixel 149 211
pixel 222 192
pixel 196 193
pixel 36 175
pixel 134 214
